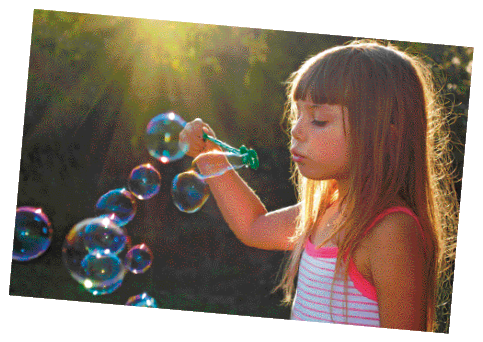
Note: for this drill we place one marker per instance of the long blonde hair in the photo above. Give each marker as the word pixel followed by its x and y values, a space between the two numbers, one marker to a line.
pixel 400 148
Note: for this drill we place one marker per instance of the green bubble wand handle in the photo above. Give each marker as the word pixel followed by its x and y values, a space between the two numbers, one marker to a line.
pixel 249 156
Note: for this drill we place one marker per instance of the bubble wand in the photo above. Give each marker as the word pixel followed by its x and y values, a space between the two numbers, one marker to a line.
pixel 248 156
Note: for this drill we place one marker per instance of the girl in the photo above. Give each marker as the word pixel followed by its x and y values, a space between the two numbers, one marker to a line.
pixel 371 168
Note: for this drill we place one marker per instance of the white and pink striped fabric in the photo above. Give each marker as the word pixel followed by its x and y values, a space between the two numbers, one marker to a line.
pixel 317 299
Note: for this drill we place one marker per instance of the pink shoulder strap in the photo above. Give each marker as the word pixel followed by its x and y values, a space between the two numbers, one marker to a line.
pixel 395 210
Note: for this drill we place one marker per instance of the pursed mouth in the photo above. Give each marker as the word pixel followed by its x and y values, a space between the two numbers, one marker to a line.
pixel 296 157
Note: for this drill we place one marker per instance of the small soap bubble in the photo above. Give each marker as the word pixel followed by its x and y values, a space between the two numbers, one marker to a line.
pixel 81 267
pixel 104 273
pixel 189 191
pixel 143 300
pixel 138 259
pixel 162 137
pixel 119 205
pixel 33 233
pixel 103 235
pixel 144 181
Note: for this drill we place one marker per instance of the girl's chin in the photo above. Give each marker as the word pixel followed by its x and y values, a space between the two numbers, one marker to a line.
pixel 312 176
pixel 309 174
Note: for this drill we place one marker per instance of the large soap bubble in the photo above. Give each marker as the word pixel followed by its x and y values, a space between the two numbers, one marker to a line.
pixel 33 233
pixel 99 271
pixel 189 191
pixel 162 137
pixel 103 235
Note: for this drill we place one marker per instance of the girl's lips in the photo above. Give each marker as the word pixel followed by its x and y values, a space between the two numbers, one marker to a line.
pixel 297 157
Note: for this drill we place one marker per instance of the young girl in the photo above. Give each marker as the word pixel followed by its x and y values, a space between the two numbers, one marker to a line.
pixel 369 148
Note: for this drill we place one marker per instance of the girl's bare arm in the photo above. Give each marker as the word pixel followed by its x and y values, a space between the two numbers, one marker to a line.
pixel 247 217
pixel 241 208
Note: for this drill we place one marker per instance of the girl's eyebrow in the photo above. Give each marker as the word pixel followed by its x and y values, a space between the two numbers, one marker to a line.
pixel 307 105
pixel 328 112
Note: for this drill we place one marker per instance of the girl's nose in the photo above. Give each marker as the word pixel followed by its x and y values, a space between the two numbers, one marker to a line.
pixel 297 132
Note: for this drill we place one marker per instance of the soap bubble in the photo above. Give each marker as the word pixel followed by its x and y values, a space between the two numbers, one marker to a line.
pixel 104 273
pixel 82 268
pixel 138 259
pixel 144 181
pixel 143 300
pixel 103 235
pixel 189 191
pixel 33 233
pixel 119 205
pixel 162 137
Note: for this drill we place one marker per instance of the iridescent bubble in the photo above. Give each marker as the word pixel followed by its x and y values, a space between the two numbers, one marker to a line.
pixel 143 300
pixel 104 273
pixel 104 236
pixel 81 268
pixel 138 259
pixel 119 205
pixel 33 233
pixel 144 181
pixel 162 137
pixel 189 191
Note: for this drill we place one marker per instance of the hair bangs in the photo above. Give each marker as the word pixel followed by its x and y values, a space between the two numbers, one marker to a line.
pixel 322 80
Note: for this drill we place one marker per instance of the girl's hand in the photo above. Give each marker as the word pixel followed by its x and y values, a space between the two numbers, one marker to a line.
pixel 192 135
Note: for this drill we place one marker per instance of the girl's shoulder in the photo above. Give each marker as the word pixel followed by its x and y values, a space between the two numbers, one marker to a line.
pixel 394 214
pixel 396 228
pixel 393 238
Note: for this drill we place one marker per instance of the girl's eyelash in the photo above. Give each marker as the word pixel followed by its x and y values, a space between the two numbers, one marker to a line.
pixel 319 123
pixel 314 122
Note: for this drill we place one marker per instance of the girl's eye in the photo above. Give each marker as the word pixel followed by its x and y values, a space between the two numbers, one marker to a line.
pixel 319 123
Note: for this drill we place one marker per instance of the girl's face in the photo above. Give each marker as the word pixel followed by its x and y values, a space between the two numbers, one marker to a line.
pixel 319 141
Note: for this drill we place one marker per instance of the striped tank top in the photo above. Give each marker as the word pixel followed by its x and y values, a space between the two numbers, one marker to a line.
pixel 317 299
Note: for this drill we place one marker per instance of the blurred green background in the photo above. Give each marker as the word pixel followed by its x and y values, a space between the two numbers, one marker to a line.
pixel 94 83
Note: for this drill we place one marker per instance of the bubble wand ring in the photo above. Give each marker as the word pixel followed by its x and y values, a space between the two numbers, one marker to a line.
pixel 249 156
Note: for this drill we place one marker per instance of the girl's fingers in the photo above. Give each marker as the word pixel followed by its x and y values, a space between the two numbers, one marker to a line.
pixel 207 129
pixel 192 135
pixel 209 145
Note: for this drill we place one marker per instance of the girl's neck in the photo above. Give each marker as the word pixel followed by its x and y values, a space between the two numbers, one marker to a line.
pixel 342 188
